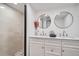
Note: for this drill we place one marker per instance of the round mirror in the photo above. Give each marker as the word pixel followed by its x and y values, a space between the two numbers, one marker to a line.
pixel 45 21
pixel 63 20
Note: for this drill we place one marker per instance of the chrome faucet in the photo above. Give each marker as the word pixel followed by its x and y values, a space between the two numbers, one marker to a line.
pixel 64 33
pixel 43 33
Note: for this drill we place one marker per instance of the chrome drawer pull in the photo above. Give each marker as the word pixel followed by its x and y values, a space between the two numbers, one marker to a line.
pixel 51 50
pixel 62 50
pixel 42 47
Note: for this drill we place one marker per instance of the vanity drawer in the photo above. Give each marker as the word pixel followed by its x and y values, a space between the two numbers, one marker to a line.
pixel 53 50
pixel 70 52
pixel 70 43
pixel 35 40
pixel 56 42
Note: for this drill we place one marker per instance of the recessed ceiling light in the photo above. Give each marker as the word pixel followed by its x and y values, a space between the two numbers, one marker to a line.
pixel 2 7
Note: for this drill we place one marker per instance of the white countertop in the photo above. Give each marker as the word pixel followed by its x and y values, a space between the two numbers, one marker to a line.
pixel 47 37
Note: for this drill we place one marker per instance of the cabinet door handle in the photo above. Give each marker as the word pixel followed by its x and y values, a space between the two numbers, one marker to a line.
pixel 62 50
pixel 51 50
pixel 42 47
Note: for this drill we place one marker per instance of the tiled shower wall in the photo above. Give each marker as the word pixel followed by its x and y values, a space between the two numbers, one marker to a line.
pixel 11 31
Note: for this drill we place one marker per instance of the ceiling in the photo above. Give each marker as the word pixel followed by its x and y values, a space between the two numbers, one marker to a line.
pixel 18 6
pixel 41 6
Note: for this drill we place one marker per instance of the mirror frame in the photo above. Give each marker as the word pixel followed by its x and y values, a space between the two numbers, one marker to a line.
pixel 50 20
pixel 66 26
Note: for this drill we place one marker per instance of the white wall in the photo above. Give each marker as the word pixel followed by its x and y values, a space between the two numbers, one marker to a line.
pixel 11 31
pixel 30 29
pixel 72 31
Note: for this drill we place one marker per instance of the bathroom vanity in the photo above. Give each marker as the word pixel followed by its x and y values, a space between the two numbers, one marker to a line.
pixel 43 45
pixel 53 46
pixel 57 33
pixel 60 26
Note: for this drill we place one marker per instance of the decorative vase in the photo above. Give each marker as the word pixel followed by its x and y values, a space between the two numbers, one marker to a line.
pixel 36 25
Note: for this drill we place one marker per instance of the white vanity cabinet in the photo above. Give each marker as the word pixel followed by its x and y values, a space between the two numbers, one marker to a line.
pixel 36 47
pixel 70 52
pixel 52 47
pixel 47 46
pixel 44 47
pixel 70 47
pixel 36 50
